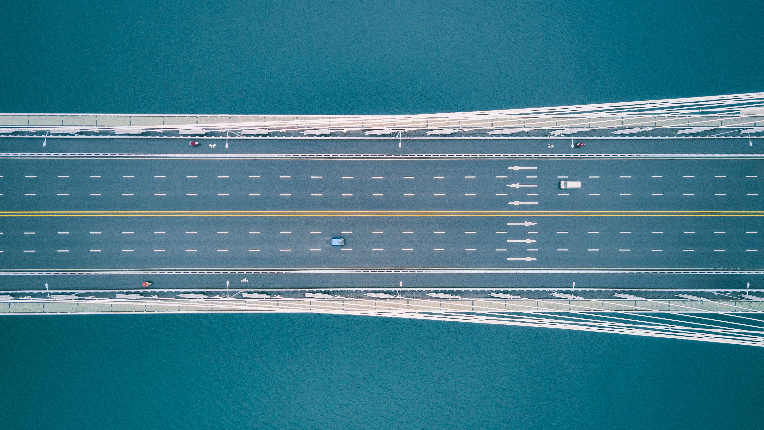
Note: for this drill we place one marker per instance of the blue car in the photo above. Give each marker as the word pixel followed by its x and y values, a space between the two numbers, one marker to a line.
pixel 338 241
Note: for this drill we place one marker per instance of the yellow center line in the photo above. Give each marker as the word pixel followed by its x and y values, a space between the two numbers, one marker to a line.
pixel 414 213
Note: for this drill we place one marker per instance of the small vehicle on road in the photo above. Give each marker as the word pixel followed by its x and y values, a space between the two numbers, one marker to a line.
pixel 193 143
pixel 147 283
pixel 570 184
pixel 338 241
pixel 580 145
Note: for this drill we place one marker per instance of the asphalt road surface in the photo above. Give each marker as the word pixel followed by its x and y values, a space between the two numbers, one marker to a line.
pixel 108 218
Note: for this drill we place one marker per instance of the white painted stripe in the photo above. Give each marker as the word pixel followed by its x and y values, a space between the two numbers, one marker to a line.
pixel 62 194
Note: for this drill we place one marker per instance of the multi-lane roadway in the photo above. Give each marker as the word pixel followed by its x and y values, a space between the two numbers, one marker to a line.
pixel 650 213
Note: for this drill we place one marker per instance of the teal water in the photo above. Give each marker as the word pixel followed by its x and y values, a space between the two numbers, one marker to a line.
pixel 366 57
pixel 338 372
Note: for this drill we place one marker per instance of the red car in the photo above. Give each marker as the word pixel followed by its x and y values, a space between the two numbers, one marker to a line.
pixel 579 145
pixel 193 143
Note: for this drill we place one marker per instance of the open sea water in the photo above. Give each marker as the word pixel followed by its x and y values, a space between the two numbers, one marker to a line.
pixel 366 57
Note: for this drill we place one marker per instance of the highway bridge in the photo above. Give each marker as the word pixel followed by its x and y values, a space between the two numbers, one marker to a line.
pixel 445 216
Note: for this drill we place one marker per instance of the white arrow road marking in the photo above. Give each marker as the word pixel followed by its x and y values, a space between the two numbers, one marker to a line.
pixel 517 203
pixel 521 259
pixel 521 240
pixel 526 223
pixel 522 185
pixel 520 168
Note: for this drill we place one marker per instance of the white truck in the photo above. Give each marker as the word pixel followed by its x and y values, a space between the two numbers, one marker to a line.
pixel 570 184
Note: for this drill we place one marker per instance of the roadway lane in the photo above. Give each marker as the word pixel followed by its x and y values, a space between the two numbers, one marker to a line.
pixel 153 145
pixel 433 184
pixel 647 242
